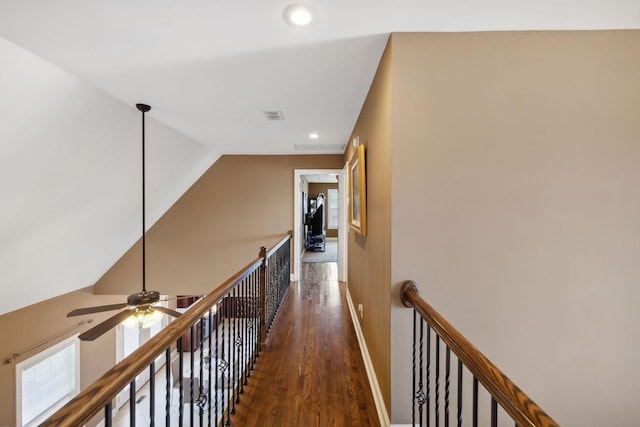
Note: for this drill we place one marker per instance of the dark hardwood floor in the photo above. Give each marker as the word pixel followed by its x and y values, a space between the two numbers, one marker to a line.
pixel 311 372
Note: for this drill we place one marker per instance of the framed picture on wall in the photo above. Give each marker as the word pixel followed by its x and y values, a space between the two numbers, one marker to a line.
pixel 358 192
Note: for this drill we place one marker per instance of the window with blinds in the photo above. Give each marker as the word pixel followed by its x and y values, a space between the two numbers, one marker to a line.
pixel 332 210
pixel 46 381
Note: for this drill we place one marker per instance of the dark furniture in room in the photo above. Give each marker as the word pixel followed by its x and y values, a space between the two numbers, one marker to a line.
pixel 315 235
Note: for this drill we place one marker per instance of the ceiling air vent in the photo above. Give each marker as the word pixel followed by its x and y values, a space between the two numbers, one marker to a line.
pixel 273 115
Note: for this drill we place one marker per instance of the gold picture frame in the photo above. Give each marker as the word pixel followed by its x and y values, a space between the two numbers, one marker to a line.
pixel 358 192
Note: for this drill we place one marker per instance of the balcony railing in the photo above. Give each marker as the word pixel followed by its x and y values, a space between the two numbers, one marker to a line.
pixel 435 382
pixel 208 354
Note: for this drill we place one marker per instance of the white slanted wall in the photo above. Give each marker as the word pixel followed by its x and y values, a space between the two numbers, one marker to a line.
pixel 70 178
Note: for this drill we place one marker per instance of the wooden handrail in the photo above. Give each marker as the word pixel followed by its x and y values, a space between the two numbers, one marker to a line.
pixel 518 405
pixel 96 396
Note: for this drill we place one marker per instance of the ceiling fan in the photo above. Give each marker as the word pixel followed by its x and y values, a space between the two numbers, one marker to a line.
pixel 140 305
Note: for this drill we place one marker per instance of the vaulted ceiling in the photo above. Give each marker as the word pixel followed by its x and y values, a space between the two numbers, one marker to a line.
pixel 210 69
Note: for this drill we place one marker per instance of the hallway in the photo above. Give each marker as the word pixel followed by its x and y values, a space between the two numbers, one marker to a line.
pixel 311 371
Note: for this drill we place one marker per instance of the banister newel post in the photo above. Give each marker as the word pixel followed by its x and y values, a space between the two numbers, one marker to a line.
pixel 263 296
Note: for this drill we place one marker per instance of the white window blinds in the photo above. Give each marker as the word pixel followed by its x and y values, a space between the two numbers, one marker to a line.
pixel 47 381
pixel 332 211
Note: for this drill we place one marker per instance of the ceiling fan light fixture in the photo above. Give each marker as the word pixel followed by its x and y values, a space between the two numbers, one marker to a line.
pixel 298 15
pixel 144 317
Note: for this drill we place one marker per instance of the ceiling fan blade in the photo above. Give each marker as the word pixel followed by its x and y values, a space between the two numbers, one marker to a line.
pixel 166 310
pixel 97 309
pixel 103 327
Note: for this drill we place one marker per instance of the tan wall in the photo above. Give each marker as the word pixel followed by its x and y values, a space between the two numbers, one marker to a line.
pixel 314 190
pixel 369 257
pixel 516 169
pixel 25 328
pixel 217 227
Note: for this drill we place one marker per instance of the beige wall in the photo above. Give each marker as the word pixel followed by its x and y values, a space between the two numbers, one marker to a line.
pixel 217 227
pixel 369 257
pixel 515 177
pixel 25 328
pixel 314 190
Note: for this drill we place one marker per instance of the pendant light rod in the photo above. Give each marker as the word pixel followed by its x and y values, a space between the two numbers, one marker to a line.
pixel 144 109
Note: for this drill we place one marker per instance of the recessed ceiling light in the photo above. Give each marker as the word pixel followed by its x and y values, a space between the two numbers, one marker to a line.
pixel 314 135
pixel 298 15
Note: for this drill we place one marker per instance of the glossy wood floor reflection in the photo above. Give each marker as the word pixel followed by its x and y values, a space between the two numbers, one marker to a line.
pixel 311 372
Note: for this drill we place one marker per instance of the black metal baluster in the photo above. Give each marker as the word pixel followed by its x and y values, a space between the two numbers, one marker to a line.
pixel 494 413
pixel 210 322
pixel 191 373
pixel 132 403
pixel 245 330
pixel 107 415
pixel 238 343
pixel 475 402
pixel 253 329
pixel 262 292
pixel 233 351
pixel 437 403
pixel 168 388
pixel 223 315
pixel 251 319
pixel 459 393
pixel 201 393
pixel 413 370
pixel 268 299
pixel 152 394
pixel 258 313
pixel 181 381
pixel 229 355
pixel 428 375
pixel 420 396
pixel 218 374
pixel 447 385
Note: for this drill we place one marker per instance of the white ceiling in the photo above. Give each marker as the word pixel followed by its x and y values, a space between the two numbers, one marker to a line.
pixel 69 154
pixel 209 68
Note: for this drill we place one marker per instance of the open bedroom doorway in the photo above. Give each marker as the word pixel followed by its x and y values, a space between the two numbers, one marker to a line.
pixel 307 184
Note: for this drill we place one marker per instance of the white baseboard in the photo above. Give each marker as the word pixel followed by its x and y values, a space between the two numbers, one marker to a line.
pixel 383 417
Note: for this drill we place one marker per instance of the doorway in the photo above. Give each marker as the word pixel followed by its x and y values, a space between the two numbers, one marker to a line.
pixel 302 179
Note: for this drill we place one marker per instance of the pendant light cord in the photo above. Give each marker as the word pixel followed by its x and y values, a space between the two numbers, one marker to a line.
pixel 143 108
pixel 144 229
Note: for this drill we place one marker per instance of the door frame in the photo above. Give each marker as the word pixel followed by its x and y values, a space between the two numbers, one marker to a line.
pixel 298 175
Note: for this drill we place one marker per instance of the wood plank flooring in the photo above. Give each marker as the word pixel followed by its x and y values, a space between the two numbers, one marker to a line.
pixel 311 372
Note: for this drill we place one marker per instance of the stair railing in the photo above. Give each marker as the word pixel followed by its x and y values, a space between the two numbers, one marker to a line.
pixel 431 394
pixel 208 354
pixel 275 273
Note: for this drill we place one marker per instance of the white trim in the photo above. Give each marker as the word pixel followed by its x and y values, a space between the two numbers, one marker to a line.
pixel 383 417
pixel 343 217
